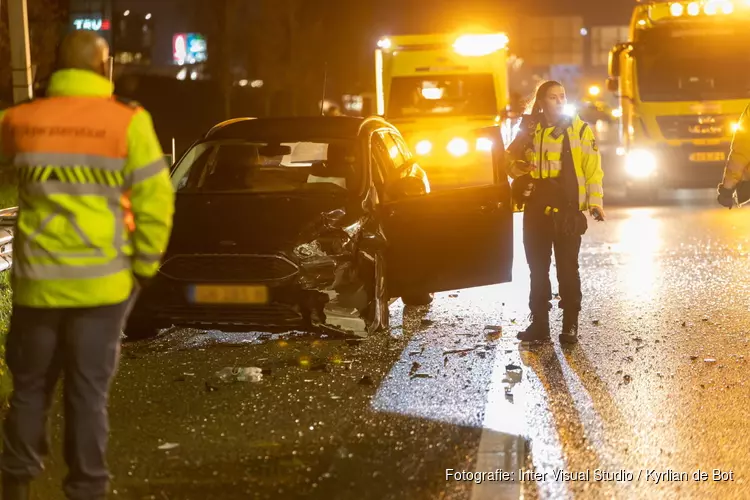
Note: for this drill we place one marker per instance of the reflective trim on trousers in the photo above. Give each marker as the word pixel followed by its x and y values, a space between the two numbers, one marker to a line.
pixel 69 160
pixel 37 271
pixel 146 172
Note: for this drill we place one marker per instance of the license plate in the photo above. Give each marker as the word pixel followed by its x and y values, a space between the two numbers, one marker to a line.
pixel 707 157
pixel 229 294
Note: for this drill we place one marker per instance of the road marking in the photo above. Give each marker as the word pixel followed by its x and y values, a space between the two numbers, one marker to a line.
pixel 502 445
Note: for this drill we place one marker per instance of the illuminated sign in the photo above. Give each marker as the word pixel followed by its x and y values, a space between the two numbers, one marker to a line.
pixel 189 48
pixel 91 24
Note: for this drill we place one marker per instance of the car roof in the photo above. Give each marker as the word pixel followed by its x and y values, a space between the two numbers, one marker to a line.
pixel 335 127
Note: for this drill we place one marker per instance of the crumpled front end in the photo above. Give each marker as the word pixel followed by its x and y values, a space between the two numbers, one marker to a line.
pixel 332 264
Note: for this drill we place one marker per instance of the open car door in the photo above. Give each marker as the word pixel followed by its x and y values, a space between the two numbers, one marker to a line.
pixel 452 239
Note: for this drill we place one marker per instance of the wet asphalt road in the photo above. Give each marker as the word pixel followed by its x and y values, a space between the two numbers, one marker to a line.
pixel 659 382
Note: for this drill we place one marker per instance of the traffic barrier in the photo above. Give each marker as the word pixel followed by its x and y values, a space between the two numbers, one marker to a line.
pixel 7 220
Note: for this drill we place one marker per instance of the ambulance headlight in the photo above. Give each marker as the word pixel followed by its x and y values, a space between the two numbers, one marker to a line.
pixel 423 147
pixel 484 144
pixel 640 163
pixel 458 147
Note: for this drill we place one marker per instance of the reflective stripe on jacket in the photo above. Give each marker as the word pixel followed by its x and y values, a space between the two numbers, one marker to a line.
pixel 739 156
pixel 546 156
pixel 81 154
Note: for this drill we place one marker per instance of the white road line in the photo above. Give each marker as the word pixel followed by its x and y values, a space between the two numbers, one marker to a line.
pixel 501 446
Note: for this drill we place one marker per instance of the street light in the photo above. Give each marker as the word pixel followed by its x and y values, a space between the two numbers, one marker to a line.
pixel 595 90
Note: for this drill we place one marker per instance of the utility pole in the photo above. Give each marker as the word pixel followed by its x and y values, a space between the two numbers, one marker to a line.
pixel 20 51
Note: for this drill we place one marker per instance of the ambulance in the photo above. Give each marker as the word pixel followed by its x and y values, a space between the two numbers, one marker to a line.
pixel 682 81
pixel 438 90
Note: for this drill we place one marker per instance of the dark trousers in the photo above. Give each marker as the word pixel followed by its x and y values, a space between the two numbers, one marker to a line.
pixel 539 239
pixel 83 345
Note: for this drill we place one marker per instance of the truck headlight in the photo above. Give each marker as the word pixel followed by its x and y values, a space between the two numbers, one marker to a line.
pixel 484 144
pixel 458 147
pixel 423 147
pixel 640 163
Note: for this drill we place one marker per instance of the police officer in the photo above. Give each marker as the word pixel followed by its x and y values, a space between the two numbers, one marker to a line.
pixel 76 262
pixel 736 170
pixel 555 163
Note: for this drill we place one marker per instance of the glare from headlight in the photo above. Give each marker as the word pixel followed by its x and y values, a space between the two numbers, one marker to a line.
pixel 423 147
pixel 640 163
pixel 484 144
pixel 736 127
pixel 458 147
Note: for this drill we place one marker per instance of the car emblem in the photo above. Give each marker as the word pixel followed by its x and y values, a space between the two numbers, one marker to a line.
pixel 227 243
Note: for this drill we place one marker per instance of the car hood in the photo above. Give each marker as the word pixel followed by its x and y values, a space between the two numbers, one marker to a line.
pixel 246 223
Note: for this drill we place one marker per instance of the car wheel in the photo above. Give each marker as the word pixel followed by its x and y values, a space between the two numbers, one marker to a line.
pixel 417 299
pixel 138 328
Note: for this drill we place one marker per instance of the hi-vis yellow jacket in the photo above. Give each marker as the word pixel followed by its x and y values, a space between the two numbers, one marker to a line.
pixel 80 152
pixel 738 162
pixel 546 156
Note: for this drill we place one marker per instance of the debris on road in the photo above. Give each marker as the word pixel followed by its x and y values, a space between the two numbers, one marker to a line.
pixel 627 379
pixel 427 322
pixel 495 332
pixel 414 368
pixel 693 357
pixel 512 366
pixel 453 295
pixel 366 380
pixel 245 374
pixel 458 351
pixel 421 375
pixel 596 322
pixel 709 360
pixel 169 446
pixel 320 367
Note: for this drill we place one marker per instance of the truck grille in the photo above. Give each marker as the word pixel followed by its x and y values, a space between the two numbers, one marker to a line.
pixel 228 268
pixel 695 127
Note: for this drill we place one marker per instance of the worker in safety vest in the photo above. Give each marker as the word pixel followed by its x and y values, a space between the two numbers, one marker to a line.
pixel 556 167
pixel 84 159
pixel 737 170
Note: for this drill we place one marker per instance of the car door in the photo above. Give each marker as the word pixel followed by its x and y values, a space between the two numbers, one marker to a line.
pixel 451 239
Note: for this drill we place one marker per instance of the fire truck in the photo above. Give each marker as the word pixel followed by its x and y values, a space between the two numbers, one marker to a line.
pixel 682 81
pixel 439 89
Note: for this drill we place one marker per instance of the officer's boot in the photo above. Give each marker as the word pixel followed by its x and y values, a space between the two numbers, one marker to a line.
pixel 15 489
pixel 538 330
pixel 569 333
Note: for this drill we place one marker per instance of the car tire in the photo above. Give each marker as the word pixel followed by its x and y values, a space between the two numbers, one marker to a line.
pixel 417 299
pixel 138 328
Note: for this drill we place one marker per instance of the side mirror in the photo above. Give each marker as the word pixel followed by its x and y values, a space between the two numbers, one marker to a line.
pixel 613 84
pixel 613 63
pixel 407 187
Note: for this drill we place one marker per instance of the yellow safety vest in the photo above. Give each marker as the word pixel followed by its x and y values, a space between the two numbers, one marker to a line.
pixel 79 151
pixel 546 155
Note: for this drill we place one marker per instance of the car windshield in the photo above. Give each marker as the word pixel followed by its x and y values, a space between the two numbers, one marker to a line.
pixel 263 167
pixel 450 95
pixel 693 64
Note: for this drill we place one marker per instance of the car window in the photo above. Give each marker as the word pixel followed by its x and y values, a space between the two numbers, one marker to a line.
pixel 232 165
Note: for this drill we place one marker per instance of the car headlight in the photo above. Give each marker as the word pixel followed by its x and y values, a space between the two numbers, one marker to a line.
pixel 640 163
pixel 458 147
pixel 423 147
pixel 484 144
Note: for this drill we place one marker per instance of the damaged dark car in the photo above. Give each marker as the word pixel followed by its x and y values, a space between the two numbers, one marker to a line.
pixel 316 224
